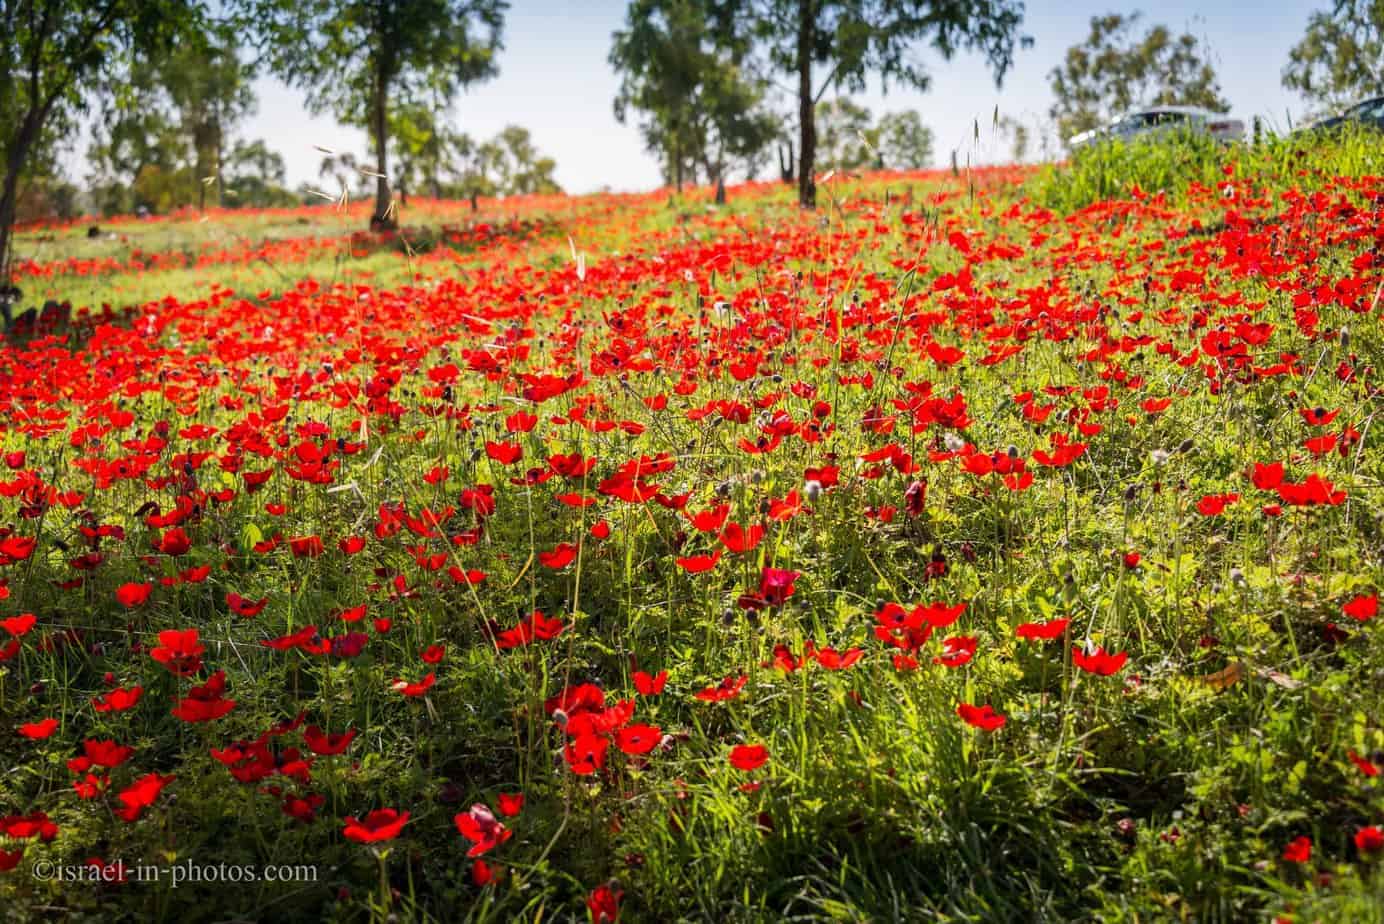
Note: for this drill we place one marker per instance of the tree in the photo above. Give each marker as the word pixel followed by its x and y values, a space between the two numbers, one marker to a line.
pixel 475 167
pixel 1341 57
pixel 253 175
pixel 1114 71
pixel 521 169
pixel 137 151
pixel 343 170
pixel 855 38
pixel 209 87
pixel 51 54
pixel 422 149
pixel 167 117
pixel 846 140
pixel 701 107
pixel 1018 134
pixel 450 163
pixel 905 143
pixel 849 139
pixel 356 58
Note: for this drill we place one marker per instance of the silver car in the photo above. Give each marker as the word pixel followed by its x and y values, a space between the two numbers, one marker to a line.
pixel 1367 113
pixel 1162 120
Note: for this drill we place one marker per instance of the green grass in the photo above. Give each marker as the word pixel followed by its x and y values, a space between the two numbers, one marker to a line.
pixel 1179 166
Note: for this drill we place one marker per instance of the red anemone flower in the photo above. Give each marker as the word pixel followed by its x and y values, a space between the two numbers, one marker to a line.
pixel 37 731
pixel 982 717
pixel 179 651
pixel 482 829
pixel 319 742
pixel 379 825
pixel 1046 631
pixel 748 756
pixel 132 595
pixel 141 794
pixel 1299 850
pixel 1362 608
pixel 1098 660
pixel 647 685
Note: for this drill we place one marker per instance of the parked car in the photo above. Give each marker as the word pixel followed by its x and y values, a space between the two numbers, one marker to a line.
pixel 1162 120
pixel 1369 113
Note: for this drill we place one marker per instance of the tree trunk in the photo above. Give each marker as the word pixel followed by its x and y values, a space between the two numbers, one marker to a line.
pixel 7 206
pixel 383 219
pixel 9 195
pixel 807 124
pixel 216 165
pixel 720 190
pixel 206 143
pixel 677 167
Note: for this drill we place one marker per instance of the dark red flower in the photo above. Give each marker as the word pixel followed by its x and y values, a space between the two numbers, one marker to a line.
pixel 207 702
pixel 175 542
pixel 319 742
pixel 604 904
pixel 243 607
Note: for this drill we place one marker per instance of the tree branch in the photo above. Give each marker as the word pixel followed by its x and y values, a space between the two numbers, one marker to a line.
pixel 831 75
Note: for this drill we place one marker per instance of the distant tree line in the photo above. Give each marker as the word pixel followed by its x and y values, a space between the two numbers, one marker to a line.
pixel 718 88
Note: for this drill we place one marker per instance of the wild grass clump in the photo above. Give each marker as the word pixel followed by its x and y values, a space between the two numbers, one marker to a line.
pixel 1176 165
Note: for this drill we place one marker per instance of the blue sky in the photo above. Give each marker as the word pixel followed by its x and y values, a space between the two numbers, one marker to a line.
pixel 554 80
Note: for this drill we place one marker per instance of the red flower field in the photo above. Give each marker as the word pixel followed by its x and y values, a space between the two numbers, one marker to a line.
pixel 950 549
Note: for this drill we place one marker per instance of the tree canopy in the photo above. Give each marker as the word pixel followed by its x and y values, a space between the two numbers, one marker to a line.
pixel 167 120
pixel 52 54
pixel 850 138
pixel 1341 56
pixel 853 39
pixel 443 162
pixel 702 108
pixel 904 142
pixel 357 59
